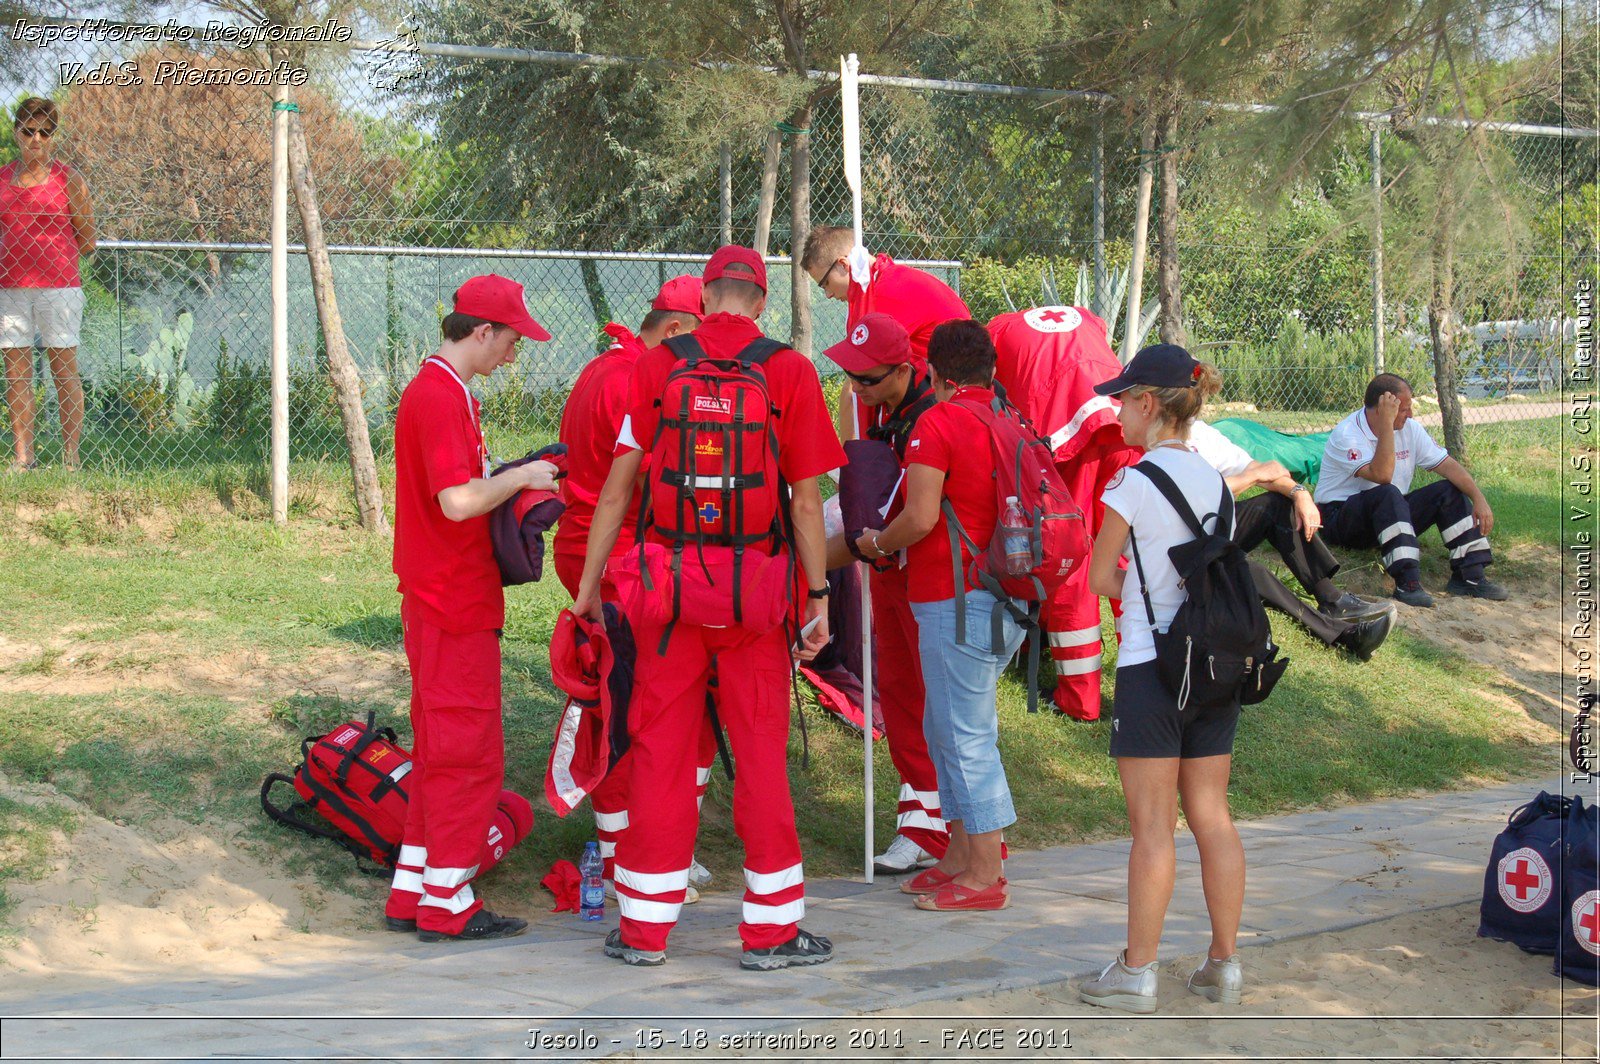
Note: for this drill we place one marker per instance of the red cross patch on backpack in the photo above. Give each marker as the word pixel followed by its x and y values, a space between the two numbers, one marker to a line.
pixel 714 492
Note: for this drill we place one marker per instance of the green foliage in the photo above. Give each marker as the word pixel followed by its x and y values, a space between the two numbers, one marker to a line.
pixel 1302 370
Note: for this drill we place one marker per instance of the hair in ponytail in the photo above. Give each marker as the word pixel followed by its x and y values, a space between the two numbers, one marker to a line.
pixel 1180 406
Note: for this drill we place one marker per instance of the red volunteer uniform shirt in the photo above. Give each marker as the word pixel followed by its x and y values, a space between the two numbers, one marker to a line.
pixel 590 421
pixel 446 568
pixel 1048 359
pixel 917 300
pixel 807 445
pixel 951 439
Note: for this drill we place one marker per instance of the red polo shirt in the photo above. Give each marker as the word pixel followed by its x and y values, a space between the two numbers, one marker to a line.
pixel 917 300
pixel 953 440
pixel 590 421
pixel 807 445
pixel 446 568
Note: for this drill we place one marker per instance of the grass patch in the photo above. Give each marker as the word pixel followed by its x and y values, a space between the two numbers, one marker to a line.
pixel 185 572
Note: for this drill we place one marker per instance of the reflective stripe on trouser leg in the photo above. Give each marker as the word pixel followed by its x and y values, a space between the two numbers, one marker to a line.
pixel 1380 517
pixel 405 889
pixel 919 814
pixel 1442 504
pixel 902 700
pixel 610 803
pixel 1073 610
pixel 665 716
pixel 449 889
pixel 775 898
pixel 756 715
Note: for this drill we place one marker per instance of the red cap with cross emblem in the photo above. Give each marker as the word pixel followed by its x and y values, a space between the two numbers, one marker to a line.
pixel 875 340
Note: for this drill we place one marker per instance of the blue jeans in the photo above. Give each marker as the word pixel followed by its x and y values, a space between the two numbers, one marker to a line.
pixel 960 719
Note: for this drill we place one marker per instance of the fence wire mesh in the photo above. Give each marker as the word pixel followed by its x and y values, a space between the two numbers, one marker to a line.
pixel 430 169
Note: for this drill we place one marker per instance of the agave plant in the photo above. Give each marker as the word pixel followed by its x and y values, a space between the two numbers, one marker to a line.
pixel 1107 305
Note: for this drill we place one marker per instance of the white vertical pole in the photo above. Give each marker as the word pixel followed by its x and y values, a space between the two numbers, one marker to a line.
pixel 1377 250
pixel 725 181
pixel 1099 195
pixel 850 103
pixel 280 305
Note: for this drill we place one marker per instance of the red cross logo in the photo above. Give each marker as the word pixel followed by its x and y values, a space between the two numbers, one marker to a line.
pixel 1524 880
pixel 1053 319
pixel 1586 921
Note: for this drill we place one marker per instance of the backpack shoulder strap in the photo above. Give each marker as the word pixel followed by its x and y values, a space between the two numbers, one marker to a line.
pixel 1173 494
pixel 684 347
pixel 759 350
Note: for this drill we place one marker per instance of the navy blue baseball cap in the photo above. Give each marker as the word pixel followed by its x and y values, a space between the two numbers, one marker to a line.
pixel 1158 366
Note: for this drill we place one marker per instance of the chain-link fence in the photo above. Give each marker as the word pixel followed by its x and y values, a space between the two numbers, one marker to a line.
pixel 432 167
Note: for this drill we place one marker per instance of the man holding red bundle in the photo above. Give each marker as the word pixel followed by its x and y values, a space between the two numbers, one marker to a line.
pixel 452 609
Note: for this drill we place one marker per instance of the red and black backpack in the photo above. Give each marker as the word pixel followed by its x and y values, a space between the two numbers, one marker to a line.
pixel 1058 536
pixel 714 483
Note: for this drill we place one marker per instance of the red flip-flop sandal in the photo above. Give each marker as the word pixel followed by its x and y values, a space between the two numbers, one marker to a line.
pixel 953 897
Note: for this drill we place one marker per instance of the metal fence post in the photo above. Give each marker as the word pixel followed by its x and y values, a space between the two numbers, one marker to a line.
pixel 1377 249
pixel 727 193
pixel 280 304
pixel 1099 179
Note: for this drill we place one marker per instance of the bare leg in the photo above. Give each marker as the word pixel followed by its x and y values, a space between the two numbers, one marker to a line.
pixel 958 855
pixel 1203 782
pixel 19 401
pixel 1150 788
pixel 983 859
pixel 69 400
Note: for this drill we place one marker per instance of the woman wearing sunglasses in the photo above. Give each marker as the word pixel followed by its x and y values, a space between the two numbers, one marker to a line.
pixel 46 223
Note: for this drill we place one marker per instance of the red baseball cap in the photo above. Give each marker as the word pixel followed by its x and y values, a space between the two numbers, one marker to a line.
pixel 680 295
pixel 875 340
pixel 500 300
pixel 732 254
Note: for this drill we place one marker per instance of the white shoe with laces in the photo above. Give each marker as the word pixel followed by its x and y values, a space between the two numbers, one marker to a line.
pixel 903 855
pixel 1121 987
pixel 699 874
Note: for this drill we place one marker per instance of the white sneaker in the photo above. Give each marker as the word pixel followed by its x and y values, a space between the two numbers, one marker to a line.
pixel 903 855
pixel 1121 987
pixel 699 874
pixel 690 895
pixel 1219 981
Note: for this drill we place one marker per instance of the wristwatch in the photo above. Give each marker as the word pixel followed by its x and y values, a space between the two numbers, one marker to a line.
pixel 1297 489
pixel 817 592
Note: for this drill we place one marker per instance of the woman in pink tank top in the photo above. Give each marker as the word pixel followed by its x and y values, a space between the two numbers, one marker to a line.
pixel 46 223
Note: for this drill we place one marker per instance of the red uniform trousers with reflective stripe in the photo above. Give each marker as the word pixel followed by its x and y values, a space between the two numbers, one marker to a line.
pixel 901 695
pixel 666 715
pixel 512 822
pixel 610 800
pixel 458 764
pixel 1071 617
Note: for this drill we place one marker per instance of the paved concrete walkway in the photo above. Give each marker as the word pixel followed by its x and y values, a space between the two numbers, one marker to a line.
pixel 1309 872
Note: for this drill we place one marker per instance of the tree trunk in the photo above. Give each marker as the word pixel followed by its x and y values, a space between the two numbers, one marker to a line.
pixel 1441 322
pixel 1141 240
pixel 598 305
pixel 341 367
pixel 769 191
pixel 1168 285
pixel 799 229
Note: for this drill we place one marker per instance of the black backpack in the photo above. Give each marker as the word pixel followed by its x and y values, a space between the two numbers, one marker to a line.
pixel 1219 646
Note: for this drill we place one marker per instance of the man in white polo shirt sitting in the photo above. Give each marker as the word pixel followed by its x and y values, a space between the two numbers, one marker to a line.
pixel 1285 516
pixel 1366 498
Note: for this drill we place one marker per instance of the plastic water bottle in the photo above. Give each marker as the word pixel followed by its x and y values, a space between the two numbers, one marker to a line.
pixel 1016 538
pixel 592 890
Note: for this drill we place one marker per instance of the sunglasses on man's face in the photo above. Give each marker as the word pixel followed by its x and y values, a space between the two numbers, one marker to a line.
pixel 822 282
pixel 42 134
pixel 868 382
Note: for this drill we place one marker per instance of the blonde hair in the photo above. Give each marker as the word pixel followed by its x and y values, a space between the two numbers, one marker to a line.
pixel 1179 407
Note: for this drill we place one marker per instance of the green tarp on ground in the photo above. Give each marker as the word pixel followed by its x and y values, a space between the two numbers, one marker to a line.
pixel 1300 455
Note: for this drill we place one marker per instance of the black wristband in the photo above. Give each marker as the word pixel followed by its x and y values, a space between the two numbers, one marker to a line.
pixel 818 592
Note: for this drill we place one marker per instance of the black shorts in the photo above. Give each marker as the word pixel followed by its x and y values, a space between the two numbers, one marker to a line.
pixel 1146 721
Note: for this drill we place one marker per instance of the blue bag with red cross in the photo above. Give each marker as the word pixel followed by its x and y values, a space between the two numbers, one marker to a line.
pixel 1522 895
pixel 1579 954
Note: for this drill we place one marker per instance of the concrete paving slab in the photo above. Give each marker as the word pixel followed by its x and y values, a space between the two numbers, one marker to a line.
pixel 1309 872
